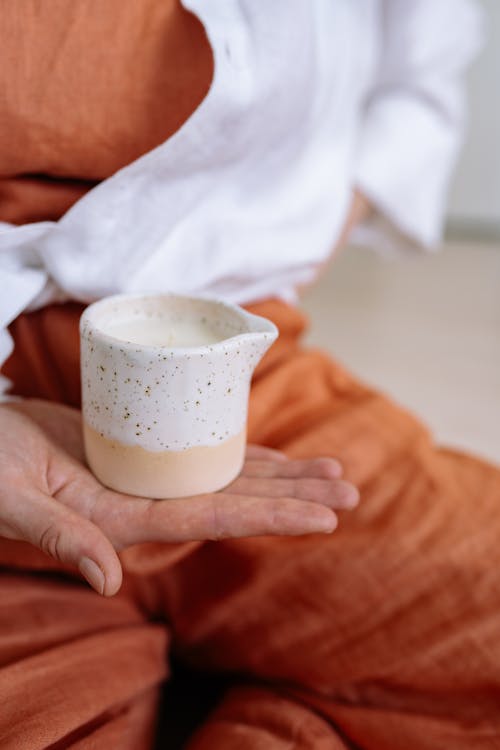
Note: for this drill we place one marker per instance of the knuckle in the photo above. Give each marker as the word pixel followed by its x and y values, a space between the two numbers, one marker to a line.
pixel 50 541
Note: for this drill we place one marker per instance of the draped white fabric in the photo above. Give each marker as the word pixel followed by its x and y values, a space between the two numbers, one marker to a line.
pixel 309 99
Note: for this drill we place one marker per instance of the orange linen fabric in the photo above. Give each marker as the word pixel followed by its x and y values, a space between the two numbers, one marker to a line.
pixel 86 88
pixel 381 636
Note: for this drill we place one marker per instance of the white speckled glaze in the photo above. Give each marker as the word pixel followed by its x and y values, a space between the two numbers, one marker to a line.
pixel 169 399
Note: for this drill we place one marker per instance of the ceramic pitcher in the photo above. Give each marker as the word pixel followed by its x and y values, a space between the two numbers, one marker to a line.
pixel 165 386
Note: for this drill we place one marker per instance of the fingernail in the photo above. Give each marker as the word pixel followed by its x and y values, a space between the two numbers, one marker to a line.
pixel 324 525
pixel 92 573
pixel 333 467
pixel 328 528
pixel 352 497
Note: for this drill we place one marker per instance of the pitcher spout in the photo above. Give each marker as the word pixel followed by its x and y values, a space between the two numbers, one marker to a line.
pixel 258 337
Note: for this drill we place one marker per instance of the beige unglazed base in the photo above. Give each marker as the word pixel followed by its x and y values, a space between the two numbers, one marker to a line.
pixel 164 474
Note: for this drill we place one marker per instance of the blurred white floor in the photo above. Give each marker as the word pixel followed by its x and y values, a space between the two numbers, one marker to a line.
pixel 426 330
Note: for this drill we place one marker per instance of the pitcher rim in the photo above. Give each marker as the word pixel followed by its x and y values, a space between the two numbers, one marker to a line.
pixel 269 333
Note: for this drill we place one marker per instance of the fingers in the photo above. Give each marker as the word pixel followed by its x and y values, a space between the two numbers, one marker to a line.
pixel 256 452
pixel 324 468
pixel 250 506
pixel 33 517
pixel 335 493
pixel 253 505
pixel 316 480
pixel 220 516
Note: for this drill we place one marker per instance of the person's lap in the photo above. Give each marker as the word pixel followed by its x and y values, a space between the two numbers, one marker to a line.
pixel 388 628
pixel 382 635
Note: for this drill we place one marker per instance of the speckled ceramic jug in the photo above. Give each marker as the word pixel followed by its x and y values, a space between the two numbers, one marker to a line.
pixel 165 385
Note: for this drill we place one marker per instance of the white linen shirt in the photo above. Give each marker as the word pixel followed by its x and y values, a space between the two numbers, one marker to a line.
pixel 310 98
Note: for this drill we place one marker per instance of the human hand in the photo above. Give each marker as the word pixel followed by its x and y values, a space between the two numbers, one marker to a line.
pixel 49 498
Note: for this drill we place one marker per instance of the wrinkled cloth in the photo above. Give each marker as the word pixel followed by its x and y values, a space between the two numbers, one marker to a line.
pixel 382 636
pixel 127 166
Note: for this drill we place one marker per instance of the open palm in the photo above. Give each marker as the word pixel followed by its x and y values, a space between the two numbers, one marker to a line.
pixel 49 498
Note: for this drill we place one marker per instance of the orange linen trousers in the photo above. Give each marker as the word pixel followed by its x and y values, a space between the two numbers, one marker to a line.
pixel 382 636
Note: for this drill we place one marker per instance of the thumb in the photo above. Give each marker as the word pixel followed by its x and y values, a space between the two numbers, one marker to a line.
pixel 64 535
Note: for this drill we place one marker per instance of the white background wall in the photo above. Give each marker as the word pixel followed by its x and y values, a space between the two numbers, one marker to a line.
pixel 475 194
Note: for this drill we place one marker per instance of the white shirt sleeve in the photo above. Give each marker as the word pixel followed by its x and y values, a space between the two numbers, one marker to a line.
pixel 414 120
